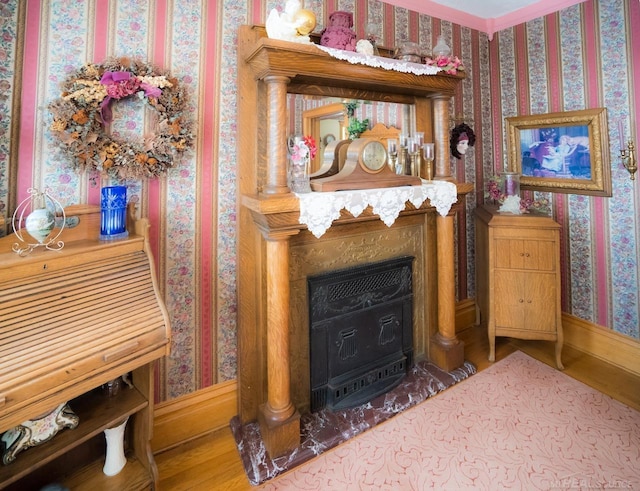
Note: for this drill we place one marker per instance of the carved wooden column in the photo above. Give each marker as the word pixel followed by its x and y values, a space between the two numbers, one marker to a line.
pixel 446 350
pixel 441 137
pixel 276 182
pixel 278 417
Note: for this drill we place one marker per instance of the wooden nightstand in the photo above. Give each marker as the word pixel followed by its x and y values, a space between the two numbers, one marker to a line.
pixel 518 277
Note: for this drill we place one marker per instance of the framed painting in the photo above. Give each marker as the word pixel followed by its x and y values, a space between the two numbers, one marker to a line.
pixel 565 152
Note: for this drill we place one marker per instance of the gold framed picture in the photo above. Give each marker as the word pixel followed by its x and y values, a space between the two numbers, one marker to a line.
pixel 565 152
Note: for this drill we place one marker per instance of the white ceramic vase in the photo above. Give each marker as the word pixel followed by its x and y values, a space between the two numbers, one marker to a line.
pixel 115 459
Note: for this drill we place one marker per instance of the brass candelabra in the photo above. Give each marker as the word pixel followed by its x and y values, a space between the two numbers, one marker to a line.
pixel 628 157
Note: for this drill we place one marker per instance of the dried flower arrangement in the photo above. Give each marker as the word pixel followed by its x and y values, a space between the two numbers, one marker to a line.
pixel 83 112
pixel 495 193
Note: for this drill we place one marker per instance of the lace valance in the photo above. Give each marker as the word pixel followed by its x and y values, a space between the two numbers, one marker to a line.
pixel 319 210
pixel 381 62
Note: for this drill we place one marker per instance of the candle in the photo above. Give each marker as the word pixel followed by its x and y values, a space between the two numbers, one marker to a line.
pixel 392 145
pixel 413 145
pixel 419 137
pixel 428 151
pixel 511 183
pixel 621 134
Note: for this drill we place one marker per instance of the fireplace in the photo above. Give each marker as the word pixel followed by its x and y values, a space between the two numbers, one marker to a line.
pixel 361 332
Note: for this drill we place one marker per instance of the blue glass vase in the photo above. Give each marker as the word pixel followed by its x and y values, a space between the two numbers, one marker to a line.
pixel 113 215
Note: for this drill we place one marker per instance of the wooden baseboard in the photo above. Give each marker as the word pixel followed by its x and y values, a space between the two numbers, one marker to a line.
pixel 186 418
pixel 605 344
pixel 465 314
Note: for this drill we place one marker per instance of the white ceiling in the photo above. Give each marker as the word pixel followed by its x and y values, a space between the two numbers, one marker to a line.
pixel 487 16
pixel 487 9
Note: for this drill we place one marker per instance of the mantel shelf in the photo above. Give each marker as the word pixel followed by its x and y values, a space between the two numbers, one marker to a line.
pixel 282 212
pixel 308 67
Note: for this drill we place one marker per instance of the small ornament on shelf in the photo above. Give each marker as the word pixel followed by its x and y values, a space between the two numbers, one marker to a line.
pixel 36 431
pixel 372 35
pixel 293 24
pixel 38 215
pixel 443 59
pixel 339 34
pixel 503 187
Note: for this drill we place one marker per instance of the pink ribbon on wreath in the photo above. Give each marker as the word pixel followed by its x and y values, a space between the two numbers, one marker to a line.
pixel 120 85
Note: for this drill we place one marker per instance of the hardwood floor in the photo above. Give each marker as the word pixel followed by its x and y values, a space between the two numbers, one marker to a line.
pixel 213 463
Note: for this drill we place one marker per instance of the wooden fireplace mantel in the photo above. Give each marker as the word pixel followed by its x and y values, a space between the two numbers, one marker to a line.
pixel 268 71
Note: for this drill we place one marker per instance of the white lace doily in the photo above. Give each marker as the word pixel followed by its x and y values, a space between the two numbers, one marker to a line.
pixel 381 62
pixel 319 210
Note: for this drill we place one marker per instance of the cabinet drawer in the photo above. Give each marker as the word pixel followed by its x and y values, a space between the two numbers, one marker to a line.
pixel 534 255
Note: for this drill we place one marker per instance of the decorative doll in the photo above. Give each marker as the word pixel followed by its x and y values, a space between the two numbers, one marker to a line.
pixel 462 137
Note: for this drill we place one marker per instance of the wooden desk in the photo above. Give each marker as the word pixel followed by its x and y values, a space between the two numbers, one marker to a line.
pixel 70 321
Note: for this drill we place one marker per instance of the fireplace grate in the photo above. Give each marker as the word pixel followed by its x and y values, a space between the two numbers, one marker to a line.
pixel 361 332
pixel 368 385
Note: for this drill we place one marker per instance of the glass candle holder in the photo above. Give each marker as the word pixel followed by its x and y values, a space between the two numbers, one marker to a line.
pixel 113 213
pixel 428 150
pixel 299 161
pixel 392 145
pixel 511 183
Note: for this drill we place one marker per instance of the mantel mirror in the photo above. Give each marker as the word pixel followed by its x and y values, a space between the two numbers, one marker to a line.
pixel 326 119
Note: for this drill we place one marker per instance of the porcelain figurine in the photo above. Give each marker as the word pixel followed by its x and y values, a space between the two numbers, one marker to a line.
pixel 289 24
pixel 36 431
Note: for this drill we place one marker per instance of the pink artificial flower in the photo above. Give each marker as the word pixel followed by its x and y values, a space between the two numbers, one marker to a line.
pixel 311 145
pixel 151 90
pixel 123 88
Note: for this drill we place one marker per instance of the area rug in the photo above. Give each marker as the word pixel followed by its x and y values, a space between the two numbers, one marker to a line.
pixel 519 424
pixel 325 429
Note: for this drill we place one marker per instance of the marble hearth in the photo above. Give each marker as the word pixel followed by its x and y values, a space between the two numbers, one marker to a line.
pixel 325 429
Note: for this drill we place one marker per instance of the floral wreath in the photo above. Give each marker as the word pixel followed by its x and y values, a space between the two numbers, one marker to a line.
pixel 81 117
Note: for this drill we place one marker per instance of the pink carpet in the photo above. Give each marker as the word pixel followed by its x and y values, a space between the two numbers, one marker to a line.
pixel 519 424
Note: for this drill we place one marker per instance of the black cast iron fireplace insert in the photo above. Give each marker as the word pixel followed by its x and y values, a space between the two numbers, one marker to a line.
pixel 361 332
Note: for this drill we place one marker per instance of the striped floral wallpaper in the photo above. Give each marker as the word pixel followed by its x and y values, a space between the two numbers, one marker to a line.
pixel 581 57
